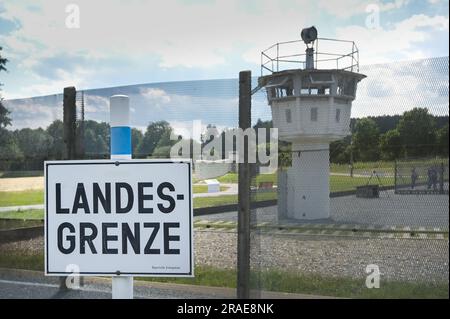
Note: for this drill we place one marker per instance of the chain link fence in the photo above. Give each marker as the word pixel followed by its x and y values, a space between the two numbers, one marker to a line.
pixel 394 244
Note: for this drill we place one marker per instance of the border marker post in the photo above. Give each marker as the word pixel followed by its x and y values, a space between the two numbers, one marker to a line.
pixel 122 286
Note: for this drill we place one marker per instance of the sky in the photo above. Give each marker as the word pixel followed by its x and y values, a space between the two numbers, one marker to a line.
pixel 176 48
pixel 120 42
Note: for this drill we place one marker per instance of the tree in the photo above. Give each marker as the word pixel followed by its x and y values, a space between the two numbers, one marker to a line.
pixel 157 134
pixel 4 119
pixel 136 139
pixel 96 139
pixel 365 140
pixel 442 140
pixel 340 151
pixel 55 131
pixel 9 151
pixel 417 130
pixel 161 152
pixel 10 154
pixel 35 145
pixel 391 146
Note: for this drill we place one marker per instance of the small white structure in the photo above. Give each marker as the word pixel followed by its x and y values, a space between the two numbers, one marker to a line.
pixel 310 107
pixel 213 185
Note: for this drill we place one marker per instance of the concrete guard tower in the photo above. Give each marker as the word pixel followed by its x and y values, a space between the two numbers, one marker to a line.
pixel 310 107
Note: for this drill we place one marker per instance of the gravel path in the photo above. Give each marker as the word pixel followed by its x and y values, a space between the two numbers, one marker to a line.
pixel 21 183
pixel 398 259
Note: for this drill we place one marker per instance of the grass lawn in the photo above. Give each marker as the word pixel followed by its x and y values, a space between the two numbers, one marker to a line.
pixel 337 183
pixel 359 167
pixel 346 183
pixel 233 178
pixel 215 201
pixel 29 214
pixel 6 224
pixel 32 197
pixel 270 280
pixel 29 197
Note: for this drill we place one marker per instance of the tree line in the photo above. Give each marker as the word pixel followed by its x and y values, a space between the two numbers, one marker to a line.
pixel 26 149
pixel 414 134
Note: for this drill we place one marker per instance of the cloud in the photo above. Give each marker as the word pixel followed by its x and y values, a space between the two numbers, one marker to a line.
pixel 401 42
pixel 388 89
pixel 397 87
pixel 95 104
pixel 142 41
pixel 35 112
pixel 155 96
pixel 347 8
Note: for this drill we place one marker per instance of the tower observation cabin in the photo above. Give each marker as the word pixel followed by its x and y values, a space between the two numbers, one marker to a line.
pixel 310 95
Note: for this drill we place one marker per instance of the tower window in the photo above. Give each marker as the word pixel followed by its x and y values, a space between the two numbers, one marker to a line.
pixel 288 116
pixel 338 115
pixel 314 114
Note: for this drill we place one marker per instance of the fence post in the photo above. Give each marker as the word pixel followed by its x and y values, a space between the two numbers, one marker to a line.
pixel 243 256
pixel 395 177
pixel 69 137
pixel 70 125
pixel 441 179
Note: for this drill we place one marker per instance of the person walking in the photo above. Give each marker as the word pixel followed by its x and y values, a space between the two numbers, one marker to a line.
pixel 413 178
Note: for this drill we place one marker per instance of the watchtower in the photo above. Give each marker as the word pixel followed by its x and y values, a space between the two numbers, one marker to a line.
pixel 311 101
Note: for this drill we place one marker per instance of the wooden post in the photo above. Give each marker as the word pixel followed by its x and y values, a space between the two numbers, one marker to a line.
pixel 243 254
pixel 70 125
pixel 69 136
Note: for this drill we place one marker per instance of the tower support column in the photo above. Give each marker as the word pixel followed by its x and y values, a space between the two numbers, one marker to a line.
pixel 308 182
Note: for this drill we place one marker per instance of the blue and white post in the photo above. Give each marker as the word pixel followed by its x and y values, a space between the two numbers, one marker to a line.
pixel 122 286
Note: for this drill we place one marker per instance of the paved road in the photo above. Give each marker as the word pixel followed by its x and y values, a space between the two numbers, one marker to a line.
pixel 24 207
pixel 389 210
pixel 17 287
pixel 24 284
pixel 12 289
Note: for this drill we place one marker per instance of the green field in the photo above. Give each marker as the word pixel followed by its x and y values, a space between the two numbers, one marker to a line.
pixel 346 183
pixel 269 280
pixel 28 214
pixel 364 167
pixel 33 197
pixel 204 188
pixel 29 197
pixel 233 178
pixel 337 184
pixel 19 223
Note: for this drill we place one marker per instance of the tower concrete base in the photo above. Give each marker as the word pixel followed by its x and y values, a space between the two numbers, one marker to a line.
pixel 307 183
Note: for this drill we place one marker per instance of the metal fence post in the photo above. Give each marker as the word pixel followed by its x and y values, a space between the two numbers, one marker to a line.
pixel 395 176
pixel 243 254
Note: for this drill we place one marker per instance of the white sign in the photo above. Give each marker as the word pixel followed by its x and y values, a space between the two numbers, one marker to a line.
pixel 119 217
